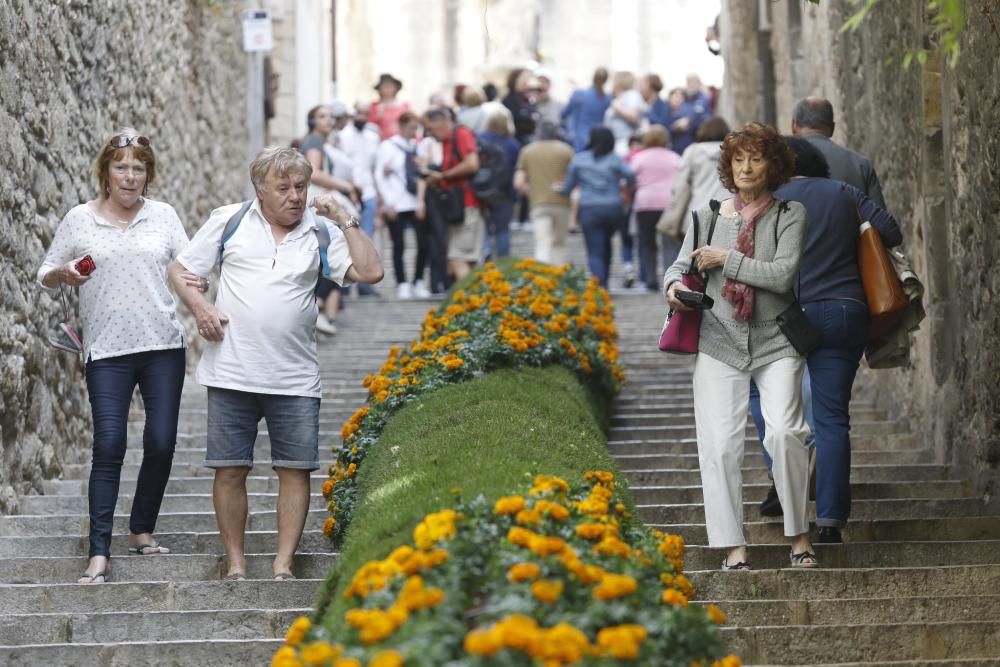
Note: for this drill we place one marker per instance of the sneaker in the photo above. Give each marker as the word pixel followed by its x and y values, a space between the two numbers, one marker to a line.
pixel 830 535
pixel 404 292
pixel 420 291
pixel 629 275
pixel 771 505
pixel 325 325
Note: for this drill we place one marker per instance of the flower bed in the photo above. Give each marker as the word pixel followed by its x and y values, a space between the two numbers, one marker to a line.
pixel 524 314
pixel 553 577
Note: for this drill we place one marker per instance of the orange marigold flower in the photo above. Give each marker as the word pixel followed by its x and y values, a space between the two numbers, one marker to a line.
pixel 509 505
pixel 523 572
pixel 327 488
pixel 547 591
pixel 319 654
pixel 717 615
pixel 520 536
pixel 529 517
pixel 328 526
pixel 614 586
pixel 674 597
pixel 298 631
pixel 389 658
pixel 483 641
pixel 728 661
pixel 285 657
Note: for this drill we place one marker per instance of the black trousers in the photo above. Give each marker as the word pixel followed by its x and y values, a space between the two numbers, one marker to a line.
pixel 397 231
pixel 646 223
pixel 437 245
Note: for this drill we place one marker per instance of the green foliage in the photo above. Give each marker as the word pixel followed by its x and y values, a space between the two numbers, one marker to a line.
pixel 947 22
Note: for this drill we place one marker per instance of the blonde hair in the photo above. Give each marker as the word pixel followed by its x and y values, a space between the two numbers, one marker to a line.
pixel 623 80
pixel 656 137
pixel 109 154
pixel 282 160
pixel 497 124
pixel 473 96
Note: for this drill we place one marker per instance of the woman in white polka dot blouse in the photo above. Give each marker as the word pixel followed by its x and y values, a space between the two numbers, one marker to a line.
pixel 131 335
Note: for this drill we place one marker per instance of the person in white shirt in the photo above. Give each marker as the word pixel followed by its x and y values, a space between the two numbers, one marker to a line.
pixel 397 187
pixel 131 335
pixel 260 360
pixel 360 139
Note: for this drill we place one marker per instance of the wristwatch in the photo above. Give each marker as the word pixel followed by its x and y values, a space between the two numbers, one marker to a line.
pixel 351 222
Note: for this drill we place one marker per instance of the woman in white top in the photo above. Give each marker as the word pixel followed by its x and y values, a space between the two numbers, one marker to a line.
pixel 397 186
pixel 131 335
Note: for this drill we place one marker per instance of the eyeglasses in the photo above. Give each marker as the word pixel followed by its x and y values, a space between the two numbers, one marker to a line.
pixel 123 140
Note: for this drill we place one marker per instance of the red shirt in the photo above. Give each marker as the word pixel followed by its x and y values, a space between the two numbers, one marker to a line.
pixel 387 117
pixel 466 142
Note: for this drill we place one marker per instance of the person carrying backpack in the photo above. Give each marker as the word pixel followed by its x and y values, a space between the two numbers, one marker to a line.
pixel 493 184
pixel 396 176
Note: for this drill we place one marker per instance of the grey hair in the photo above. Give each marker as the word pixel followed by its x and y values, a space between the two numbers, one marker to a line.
pixel 281 160
pixel 815 113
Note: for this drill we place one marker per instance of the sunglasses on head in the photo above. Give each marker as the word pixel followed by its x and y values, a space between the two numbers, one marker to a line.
pixel 123 140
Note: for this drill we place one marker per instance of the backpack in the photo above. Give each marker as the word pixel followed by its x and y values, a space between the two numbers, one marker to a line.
pixel 410 169
pixel 490 183
pixel 322 236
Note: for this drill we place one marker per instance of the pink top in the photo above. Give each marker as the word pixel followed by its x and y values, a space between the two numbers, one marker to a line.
pixel 654 176
pixel 387 117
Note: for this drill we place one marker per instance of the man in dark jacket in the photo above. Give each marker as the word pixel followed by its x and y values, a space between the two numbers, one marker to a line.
pixel 812 119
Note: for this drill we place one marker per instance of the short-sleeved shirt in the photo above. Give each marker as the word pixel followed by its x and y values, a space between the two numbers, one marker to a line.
pixel 465 140
pixel 545 163
pixel 267 292
pixel 315 142
pixel 126 306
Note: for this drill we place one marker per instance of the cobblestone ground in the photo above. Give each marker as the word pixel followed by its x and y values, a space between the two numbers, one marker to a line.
pixel 918 580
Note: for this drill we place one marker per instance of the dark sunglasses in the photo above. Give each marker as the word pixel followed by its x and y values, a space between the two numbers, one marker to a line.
pixel 123 140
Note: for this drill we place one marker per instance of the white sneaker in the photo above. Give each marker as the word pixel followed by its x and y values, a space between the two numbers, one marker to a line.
pixel 324 325
pixel 420 291
pixel 404 291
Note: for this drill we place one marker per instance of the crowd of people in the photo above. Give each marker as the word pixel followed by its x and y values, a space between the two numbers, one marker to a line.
pixel 779 216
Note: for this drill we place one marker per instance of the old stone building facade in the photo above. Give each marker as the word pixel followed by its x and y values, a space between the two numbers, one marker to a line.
pixel 930 131
pixel 71 73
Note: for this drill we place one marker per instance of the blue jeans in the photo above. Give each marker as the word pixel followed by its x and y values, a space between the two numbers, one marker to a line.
pixel 498 227
pixel 368 207
pixel 832 369
pixel 110 383
pixel 628 240
pixel 599 222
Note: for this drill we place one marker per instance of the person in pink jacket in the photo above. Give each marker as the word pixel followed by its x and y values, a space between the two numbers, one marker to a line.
pixel 654 167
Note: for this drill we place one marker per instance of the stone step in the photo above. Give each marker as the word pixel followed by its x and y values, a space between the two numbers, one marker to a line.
pixel 686 429
pixel 639 407
pixel 190 502
pixel 159 567
pixel 154 596
pixel 799 644
pixel 859 554
pixel 642 444
pixel 260 468
pixel 178 485
pixel 936 609
pixel 35 525
pixel 754 459
pixel 215 652
pixel 842 583
pixel 115 627
pixel 691 494
pixel 256 542
pixel 895 508
pixel 625 416
pixel 925 529
pixel 914 472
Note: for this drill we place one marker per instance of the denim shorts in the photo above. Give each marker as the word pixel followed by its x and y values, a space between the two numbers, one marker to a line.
pixel 292 424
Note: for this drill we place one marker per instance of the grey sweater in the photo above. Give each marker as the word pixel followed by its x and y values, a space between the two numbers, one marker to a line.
pixel 772 271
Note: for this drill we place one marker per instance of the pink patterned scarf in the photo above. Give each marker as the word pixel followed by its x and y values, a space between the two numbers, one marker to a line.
pixel 741 295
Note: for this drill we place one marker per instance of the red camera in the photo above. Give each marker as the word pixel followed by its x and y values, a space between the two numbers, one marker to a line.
pixel 86 265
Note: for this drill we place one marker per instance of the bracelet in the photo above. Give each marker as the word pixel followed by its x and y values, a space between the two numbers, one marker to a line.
pixel 351 222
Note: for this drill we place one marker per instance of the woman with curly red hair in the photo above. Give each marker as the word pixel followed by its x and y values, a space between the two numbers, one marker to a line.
pixel 750 249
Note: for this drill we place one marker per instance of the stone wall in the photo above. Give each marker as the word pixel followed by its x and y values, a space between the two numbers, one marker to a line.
pixel 930 131
pixel 71 73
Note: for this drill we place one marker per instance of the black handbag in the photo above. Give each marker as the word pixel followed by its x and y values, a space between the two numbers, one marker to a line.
pixel 792 321
pixel 450 205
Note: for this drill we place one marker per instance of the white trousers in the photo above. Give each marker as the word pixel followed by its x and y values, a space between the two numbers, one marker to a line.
pixel 721 403
pixel 551 225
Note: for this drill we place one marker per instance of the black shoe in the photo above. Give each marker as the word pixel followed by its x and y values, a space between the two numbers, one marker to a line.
pixel 829 535
pixel 771 505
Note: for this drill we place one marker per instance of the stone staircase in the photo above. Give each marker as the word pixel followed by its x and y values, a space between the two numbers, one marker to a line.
pixel 173 609
pixel 917 581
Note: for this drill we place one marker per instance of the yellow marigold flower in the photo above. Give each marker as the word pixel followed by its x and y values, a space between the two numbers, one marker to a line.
pixel 318 654
pixel 327 488
pixel 509 505
pixel 549 483
pixel 683 584
pixel 299 628
pixel 620 508
pixel 285 657
pixel 547 591
pixel 622 641
pixel 351 469
pixel 563 643
pixel 483 641
pixel 614 586
pixel 347 662
pixel 520 536
pixel 612 546
pixel 591 531
pixel 328 526
pixel 554 510
pixel 674 597
pixel 717 615
pixel 601 476
pixel 389 658
pixel 528 517
pixel 672 546
pixel 520 632
pixel 544 545
pixel 728 661
pixel 523 572
pixel 378 627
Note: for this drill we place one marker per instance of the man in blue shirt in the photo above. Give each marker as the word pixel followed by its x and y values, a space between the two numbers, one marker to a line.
pixel 585 110
pixel 684 121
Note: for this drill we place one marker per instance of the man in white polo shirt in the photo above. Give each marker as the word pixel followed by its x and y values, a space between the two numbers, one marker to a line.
pixel 260 360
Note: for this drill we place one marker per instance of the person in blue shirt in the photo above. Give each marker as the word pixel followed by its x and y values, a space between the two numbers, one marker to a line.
pixel 498 217
pixel 833 298
pixel 687 112
pixel 586 109
pixel 600 174
pixel 657 110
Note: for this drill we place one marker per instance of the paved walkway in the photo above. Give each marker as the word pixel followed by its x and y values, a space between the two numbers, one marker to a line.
pixel 918 579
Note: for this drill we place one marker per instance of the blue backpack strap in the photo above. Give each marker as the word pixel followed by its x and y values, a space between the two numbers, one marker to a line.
pixel 231 226
pixel 323 238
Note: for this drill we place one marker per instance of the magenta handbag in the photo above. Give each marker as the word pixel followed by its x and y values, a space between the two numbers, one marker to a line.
pixel 682 327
